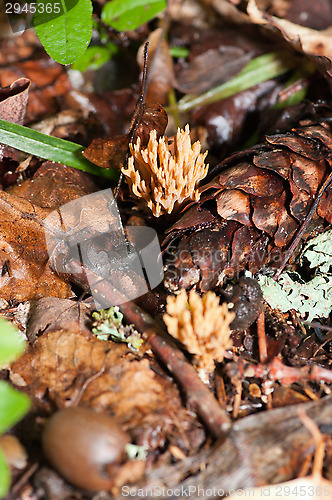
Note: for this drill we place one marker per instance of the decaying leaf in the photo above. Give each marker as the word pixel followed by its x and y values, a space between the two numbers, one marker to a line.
pixel 52 313
pixel 65 368
pixel 201 324
pixel 164 178
pixel 25 273
pixel 316 43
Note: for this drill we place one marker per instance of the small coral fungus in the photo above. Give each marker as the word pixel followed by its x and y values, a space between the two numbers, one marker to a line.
pixel 201 324
pixel 166 175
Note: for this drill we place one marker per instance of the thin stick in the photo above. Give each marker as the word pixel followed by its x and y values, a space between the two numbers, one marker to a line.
pixel 303 228
pixel 262 347
pixel 139 109
pixel 237 398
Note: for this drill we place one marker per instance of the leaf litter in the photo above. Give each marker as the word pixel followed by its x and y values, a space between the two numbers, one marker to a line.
pixel 251 207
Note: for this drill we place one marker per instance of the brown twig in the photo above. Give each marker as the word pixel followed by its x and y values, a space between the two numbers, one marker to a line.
pixel 199 398
pixel 261 337
pixel 303 228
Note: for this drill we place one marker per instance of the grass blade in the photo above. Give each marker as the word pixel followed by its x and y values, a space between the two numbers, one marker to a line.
pixel 258 70
pixel 50 148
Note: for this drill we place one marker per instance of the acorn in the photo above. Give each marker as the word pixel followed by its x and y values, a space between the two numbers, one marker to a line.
pixel 85 447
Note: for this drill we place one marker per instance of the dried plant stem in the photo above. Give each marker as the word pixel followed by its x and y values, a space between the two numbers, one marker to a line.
pixel 303 228
pixel 199 397
pixel 237 399
pixel 137 116
pixel 261 337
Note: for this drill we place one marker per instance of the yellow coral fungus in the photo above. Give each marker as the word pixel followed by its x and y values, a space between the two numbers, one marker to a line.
pixel 201 324
pixel 164 179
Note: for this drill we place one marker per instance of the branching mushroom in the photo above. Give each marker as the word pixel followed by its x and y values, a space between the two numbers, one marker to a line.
pixel 201 324
pixel 165 178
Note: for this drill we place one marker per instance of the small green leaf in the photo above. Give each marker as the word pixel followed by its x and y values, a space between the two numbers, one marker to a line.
pixel 177 51
pixel 64 29
pixel 12 344
pixel 124 15
pixel 50 148
pixel 4 475
pixel 94 57
pixel 13 406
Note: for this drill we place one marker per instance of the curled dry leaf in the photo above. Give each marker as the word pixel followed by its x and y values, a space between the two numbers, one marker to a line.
pixel 201 324
pixel 49 82
pixel 165 180
pixel 317 43
pixel 160 76
pixel 111 153
pixel 13 101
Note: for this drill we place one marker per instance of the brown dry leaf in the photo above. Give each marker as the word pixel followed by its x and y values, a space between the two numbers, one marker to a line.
pixel 312 42
pixel 54 185
pixel 49 81
pixel 64 368
pixel 52 313
pixel 25 273
pixel 160 75
pixel 13 101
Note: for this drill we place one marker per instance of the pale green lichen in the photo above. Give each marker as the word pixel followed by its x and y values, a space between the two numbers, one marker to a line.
pixel 313 298
pixel 108 326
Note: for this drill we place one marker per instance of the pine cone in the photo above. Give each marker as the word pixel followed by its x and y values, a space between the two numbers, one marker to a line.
pixel 248 214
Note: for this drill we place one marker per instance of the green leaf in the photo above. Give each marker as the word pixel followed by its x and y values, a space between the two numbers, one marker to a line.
pixel 12 344
pixel 50 148
pixel 13 406
pixel 4 475
pixel 65 29
pixel 177 51
pixel 124 15
pixel 258 70
pixel 94 57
